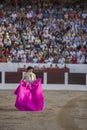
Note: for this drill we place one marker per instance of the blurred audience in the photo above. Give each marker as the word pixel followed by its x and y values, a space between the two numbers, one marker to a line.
pixel 43 33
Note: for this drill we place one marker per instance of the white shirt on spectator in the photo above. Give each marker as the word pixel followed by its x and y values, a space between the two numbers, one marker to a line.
pixel 81 59
pixel 50 59
pixel 14 15
pixel 78 53
pixel 20 52
pixel 84 15
pixel 61 60
pixel 13 51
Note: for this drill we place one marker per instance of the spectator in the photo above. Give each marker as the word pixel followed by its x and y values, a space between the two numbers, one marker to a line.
pixel 74 60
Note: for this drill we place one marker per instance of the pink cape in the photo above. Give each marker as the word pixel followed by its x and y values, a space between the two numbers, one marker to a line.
pixel 29 96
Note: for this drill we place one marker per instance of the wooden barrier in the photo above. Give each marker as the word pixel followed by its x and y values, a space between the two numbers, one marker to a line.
pixel 55 78
pixel 46 70
pixel 77 78
pixel 54 75
pixel 13 77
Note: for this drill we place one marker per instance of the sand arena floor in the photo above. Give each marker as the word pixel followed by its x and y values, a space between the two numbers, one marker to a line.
pixel 63 110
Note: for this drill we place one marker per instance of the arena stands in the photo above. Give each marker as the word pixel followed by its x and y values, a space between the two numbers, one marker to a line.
pixel 43 33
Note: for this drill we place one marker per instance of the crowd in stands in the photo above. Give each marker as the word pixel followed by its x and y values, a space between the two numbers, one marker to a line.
pixel 43 34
